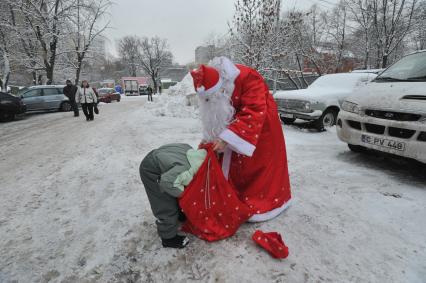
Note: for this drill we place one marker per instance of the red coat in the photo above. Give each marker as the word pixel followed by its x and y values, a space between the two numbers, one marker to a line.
pixel 258 167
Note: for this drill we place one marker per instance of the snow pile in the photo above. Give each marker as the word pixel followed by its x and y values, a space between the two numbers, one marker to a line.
pixel 183 88
pixel 179 101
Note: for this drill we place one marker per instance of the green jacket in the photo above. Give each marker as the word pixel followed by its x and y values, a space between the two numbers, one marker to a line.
pixel 178 164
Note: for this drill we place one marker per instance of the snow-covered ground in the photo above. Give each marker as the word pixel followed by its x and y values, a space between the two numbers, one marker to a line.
pixel 73 209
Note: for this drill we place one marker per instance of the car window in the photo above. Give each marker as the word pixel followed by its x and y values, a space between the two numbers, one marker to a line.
pixel 411 67
pixel 50 91
pixel 32 93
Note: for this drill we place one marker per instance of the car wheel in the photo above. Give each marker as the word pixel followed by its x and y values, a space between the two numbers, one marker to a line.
pixel 356 148
pixel 66 107
pixel 6 116
pixel 287 121
pixel 327 120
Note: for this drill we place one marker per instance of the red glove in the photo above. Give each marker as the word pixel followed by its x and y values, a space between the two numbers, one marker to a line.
pixel 272 242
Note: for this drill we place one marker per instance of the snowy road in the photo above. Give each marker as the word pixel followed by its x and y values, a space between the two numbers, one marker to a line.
pixel 72 208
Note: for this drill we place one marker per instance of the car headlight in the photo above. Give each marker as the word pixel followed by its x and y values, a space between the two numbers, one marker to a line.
pixel 350 107
pixel 307 105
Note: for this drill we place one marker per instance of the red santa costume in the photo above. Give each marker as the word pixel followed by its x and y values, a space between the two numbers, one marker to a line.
pixel 236 107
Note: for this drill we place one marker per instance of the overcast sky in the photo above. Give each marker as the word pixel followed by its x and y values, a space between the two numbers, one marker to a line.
pixel 186 24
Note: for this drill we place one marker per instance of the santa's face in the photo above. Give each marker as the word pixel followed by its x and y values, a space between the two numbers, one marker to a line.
pixel 216 113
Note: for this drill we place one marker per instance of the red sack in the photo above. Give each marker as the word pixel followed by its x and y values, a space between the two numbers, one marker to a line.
pixel 272 242
pixel 211 204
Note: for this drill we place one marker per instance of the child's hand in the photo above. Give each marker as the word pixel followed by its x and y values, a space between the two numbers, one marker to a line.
pixel 219 145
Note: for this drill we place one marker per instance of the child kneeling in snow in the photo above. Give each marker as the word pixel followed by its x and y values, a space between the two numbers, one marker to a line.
pixel 165 172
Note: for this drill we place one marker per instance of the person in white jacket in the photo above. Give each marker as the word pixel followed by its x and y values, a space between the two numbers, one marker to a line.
pixel 87 98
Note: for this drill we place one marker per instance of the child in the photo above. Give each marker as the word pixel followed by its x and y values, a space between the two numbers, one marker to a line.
pixel 165 172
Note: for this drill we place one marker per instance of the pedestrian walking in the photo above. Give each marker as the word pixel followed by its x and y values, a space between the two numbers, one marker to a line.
pixel 87 98
pixel 149 91
pixel 70 91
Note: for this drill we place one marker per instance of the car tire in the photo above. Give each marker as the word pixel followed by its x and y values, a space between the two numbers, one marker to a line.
pixel 356 148
pixel 66 107
pixel 6 116
pixel 287 121
pixel 327 120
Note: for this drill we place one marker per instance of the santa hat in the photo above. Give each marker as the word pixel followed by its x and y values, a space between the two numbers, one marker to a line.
pixel 272 243
pixel 206 80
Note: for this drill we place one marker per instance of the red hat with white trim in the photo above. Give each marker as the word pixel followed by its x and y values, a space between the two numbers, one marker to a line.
pixel 206 80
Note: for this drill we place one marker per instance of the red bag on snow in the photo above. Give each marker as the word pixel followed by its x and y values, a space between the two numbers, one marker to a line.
pixel 211 204
pixel 272 243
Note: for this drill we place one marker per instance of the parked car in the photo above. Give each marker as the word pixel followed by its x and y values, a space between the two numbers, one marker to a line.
pixel 389 114
pixel 108 94
pixel 45 97
pixel 10 106
pixel 320 102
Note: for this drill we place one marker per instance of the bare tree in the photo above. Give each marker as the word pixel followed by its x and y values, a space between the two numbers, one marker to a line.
pixel 418 34
pixel 252 27
pixel 154 55
pixel 360 13
pixel 5 45
pixel 85 29
pixel 46 19
pixel 392 21
pixel 129 49
pixel 336 23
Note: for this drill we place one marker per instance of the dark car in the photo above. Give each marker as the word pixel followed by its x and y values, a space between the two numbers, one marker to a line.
pixel 10 106
pixel 108 94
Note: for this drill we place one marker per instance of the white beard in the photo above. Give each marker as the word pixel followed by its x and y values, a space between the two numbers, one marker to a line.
pixel 216 111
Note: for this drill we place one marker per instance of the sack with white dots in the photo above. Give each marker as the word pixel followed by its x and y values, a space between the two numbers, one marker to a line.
pixel 211 204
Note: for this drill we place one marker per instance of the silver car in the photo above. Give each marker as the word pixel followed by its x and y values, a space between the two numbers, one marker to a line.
pixel 45 97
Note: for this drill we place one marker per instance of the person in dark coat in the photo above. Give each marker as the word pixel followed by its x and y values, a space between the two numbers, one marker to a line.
pixel 149 91
pixel 70 90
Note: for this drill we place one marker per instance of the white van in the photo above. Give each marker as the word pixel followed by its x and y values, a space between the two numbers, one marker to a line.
pixel 389 113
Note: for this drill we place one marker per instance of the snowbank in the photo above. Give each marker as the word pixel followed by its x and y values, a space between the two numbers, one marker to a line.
pixel 178 101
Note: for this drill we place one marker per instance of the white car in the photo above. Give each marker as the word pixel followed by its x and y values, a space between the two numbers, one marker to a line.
pixel 389 114
pixel 321 101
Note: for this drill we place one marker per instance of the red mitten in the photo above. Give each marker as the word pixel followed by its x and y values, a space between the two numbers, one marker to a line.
pixel 272 242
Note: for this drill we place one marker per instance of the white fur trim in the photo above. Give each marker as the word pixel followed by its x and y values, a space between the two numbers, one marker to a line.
pixel 202 91
pixel 236 143
pixel 270 214
pixel 226 162
pixel 226 68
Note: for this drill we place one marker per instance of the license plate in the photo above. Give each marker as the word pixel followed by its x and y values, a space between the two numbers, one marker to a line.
pixel 286 115
pixel 392 144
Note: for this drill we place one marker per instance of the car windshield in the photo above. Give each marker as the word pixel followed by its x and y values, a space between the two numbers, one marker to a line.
pixel 22 90
pixel 409 68
pixel 342 81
